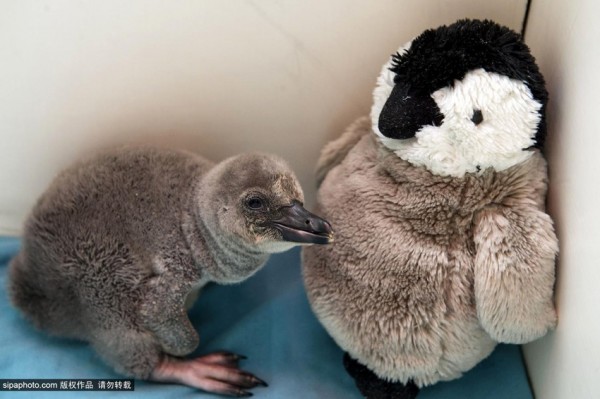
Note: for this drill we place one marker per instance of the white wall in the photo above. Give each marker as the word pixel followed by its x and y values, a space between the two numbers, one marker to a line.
pixel 222 76
pixel 215 76
pixel 564 36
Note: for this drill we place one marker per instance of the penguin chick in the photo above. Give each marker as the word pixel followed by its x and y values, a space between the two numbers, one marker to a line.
pixel 118 242
pixel 443 245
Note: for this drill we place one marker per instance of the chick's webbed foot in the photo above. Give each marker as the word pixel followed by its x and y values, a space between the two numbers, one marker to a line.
pixel 373 387
pixel 216 372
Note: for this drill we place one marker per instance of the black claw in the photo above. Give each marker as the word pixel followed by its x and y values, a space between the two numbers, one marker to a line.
pixel 235 356
pixel 248 380
pixel 261 382
pixel 231 355
pixel 244 394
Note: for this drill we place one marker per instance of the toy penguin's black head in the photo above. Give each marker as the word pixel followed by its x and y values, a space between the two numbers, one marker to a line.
pixel 439 58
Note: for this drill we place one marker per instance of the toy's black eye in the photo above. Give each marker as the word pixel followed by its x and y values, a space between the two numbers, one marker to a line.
pixel 477 117
pixel 255 203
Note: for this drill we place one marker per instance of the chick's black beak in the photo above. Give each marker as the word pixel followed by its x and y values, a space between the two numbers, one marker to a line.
pixel 296 224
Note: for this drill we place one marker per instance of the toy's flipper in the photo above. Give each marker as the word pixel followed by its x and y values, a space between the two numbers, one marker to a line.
pixel 373 387
pixel 514 272
pixel 335 151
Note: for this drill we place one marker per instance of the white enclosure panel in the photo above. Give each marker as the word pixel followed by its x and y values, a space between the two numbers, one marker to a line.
pixel 564 37
pixel 214 76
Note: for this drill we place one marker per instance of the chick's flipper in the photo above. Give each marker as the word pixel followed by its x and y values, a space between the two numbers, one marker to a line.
pixel 163 312
pixel 216 372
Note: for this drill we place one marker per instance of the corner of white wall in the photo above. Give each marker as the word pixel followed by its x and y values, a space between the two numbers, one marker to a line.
pixel 563 35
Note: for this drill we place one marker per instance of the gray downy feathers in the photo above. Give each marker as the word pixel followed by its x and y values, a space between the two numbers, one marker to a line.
pixel 119 241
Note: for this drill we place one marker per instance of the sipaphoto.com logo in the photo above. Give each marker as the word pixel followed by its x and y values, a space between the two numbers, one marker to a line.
pixel 116 384
pixel 29 385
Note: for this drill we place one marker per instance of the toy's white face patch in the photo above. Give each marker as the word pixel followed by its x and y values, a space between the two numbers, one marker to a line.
pixel 459 146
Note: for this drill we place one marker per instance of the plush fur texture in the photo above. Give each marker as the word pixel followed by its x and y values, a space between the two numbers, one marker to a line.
pixel 428 272
pixel 439 57
pixel 457 146
pixel 428 92
pixel 116 245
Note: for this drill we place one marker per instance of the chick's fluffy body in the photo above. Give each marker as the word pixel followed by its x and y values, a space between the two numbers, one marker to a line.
pixel 118 242
pixel 97 236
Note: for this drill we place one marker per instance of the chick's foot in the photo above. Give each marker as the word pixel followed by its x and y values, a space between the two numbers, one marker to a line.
pixel 216 372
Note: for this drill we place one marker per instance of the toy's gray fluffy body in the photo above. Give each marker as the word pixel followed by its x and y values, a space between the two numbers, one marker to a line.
pixel 429 272
pixel 116 244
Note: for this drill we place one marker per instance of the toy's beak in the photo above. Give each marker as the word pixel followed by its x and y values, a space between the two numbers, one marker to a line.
pixel 405 113
pixel 296 224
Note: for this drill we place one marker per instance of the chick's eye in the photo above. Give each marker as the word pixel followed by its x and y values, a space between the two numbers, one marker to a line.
pixel 255 203
pixel 477 117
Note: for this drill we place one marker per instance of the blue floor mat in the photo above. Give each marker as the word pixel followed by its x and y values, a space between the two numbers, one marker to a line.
pixel 267 318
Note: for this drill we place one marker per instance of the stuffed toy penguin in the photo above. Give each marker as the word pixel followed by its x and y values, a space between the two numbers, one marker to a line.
pixel 443 247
